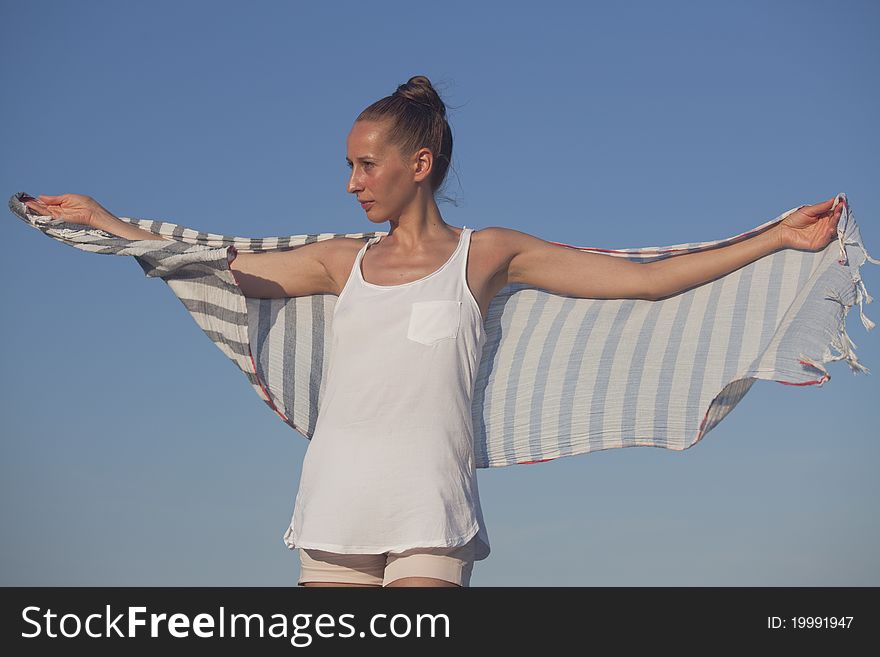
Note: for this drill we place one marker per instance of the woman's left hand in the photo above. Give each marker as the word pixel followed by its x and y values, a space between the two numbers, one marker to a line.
pixel 811 228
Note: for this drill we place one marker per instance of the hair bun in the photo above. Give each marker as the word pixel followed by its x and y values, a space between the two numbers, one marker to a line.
pixel 419 89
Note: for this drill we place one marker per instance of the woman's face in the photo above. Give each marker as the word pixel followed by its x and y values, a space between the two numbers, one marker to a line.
pixel 379 173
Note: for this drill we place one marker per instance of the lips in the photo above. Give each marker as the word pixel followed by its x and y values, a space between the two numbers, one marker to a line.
pixel 366 204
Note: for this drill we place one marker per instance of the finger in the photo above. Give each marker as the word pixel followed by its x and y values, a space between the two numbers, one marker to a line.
pixel 832 211
pixel 825 206
pixel 49 209
pixel 51 199
pixel 38 207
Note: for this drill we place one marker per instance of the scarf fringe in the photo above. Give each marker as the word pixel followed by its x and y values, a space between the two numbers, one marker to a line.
pixel 841 340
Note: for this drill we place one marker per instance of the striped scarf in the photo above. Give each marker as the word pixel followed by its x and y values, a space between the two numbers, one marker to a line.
pixel 559 375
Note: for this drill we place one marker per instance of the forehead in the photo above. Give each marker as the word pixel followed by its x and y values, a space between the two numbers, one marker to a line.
pixel 367 136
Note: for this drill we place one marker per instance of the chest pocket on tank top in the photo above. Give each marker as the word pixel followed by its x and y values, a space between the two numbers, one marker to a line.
pixel 432 321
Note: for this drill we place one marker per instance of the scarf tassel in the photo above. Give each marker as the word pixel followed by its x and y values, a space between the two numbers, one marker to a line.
pixel 841 341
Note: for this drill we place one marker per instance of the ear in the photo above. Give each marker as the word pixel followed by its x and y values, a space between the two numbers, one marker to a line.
pixel 423 163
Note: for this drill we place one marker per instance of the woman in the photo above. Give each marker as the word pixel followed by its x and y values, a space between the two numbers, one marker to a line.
pixel 388 493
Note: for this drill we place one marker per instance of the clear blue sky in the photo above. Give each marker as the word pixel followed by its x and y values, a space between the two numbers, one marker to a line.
pixel 135 453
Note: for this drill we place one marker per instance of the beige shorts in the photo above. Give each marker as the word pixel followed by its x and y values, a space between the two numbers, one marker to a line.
pixel 452 564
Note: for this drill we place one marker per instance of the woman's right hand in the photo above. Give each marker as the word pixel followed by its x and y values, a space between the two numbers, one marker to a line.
pixel 72 208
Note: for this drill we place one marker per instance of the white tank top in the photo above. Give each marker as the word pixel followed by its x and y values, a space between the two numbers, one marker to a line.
pixel 390 465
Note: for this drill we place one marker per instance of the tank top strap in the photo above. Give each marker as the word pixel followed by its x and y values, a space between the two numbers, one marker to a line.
pixel 462 267
pixel 367 245
pixel 353 274
pixel 360 255
pixel 466 247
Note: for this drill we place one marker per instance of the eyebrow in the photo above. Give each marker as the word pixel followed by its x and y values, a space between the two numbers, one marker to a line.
pixel 361 158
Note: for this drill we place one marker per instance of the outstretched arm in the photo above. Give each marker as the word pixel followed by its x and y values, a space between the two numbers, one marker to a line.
pixel 571 272
pixel 291 273
pixel 86 211
pixel 568 271
pixel 110 223
pixel 810 228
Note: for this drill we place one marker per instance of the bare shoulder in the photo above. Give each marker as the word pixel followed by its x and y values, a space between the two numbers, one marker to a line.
pixel 337 255
pixel 333 248
pixel 500 237
pixel 499 244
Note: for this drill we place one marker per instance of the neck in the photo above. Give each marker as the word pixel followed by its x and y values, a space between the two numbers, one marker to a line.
pixel 420 223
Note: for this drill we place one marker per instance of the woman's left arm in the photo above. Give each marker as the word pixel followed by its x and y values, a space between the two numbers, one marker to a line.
pixel 809 228
pixel 567 271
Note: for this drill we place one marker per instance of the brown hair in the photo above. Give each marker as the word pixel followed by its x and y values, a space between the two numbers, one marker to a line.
pixel 417 119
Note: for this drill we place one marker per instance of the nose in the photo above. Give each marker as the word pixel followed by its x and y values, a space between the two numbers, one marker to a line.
pixel 354 186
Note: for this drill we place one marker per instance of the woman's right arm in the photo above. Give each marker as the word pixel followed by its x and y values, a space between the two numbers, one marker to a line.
pixel 271 275
pixel 110 223
pixel 302 271
pixel 298 272
pixel 274 274
pixel 86 211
